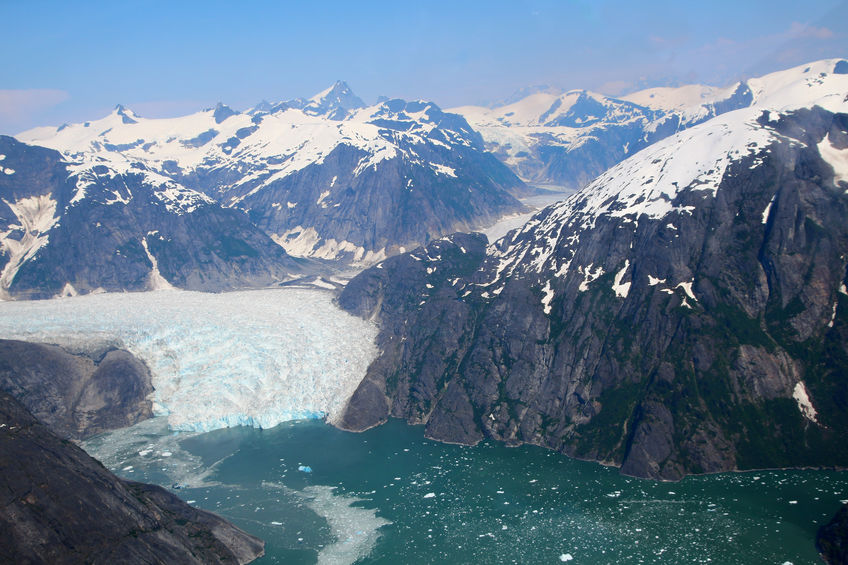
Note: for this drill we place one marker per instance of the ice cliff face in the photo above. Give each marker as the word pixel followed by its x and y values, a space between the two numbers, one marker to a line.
pixel 569 139
pixel 253 358
pixel 326 177
pixel 683 313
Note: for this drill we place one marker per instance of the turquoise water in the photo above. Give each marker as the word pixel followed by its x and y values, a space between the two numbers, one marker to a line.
pixel 391 496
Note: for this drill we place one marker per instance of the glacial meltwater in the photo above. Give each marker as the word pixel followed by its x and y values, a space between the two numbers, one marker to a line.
pixel 319 495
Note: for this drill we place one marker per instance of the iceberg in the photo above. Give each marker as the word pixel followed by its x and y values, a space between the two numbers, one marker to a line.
pixel 252 358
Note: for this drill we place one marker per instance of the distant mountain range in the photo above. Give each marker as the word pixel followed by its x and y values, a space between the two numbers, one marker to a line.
pixel 685 312
pixel 325 177
pixel 568 139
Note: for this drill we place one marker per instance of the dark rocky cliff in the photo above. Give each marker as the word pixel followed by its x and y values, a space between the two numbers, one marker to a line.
pixel 77 395
pixel 832 539
pixel 667 330
pixel 61 506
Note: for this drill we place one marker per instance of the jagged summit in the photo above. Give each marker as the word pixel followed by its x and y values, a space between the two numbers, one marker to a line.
pixel 127 115
pixel 336 102
pixel 222 112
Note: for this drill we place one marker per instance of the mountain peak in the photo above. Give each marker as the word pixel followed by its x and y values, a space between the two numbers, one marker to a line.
pixel 222 112
pixel 335 102
pixel 127 115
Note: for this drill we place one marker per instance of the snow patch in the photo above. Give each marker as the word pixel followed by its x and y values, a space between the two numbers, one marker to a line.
pixel 443 170
pixel 67 291
pixel 548 297
pixel 653 281
pixel 307 242
pixel 836 158
pixel 36 215
pixel 687 288
pixel 767 211
pixel 621 289
pixel 320 202
pixel 804 405
pixel 155 280
pixel 588 276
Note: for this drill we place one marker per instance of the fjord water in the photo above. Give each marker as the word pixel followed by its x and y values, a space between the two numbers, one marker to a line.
pixel 317 494
pixel 391 496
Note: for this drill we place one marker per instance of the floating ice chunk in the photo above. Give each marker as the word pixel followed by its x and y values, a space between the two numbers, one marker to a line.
pixel 304 468
pixel 276 523
pixel 430 495
pixel 355 529
pixel 565 557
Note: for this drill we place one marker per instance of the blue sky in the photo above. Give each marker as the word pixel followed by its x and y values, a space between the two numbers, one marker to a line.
pixel 72 61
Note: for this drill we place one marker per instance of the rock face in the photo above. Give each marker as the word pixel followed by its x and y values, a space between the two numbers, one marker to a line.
pixel 327 178
pixel 685 313
pixel 832 538
pixel 62 506
pixel 569 139
pixel 74 228
pixel 76 395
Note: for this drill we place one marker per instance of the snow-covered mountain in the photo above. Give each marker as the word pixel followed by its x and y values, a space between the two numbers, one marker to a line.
pixel 685 312
pixel 569 139
pixel 79 226
pixel 325 177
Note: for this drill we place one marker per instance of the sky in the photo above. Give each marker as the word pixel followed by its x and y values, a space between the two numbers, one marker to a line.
pixel 72 60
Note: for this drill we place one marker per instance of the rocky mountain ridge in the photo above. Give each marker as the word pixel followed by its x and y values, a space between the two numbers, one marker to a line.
pixel 62 506
pixel 79 227
pixel 684 313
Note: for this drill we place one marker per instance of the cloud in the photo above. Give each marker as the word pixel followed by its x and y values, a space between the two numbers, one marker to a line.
pixel 803 31
pixel 615 87
pixel 19 105
pixel 21 109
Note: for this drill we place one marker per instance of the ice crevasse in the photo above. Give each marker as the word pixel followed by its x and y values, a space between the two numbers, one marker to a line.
pixel 255 358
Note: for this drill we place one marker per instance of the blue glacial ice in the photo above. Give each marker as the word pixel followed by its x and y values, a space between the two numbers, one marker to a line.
pixel 254 358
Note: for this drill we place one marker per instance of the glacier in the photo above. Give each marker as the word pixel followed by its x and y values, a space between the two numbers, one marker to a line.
pixel 254 358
